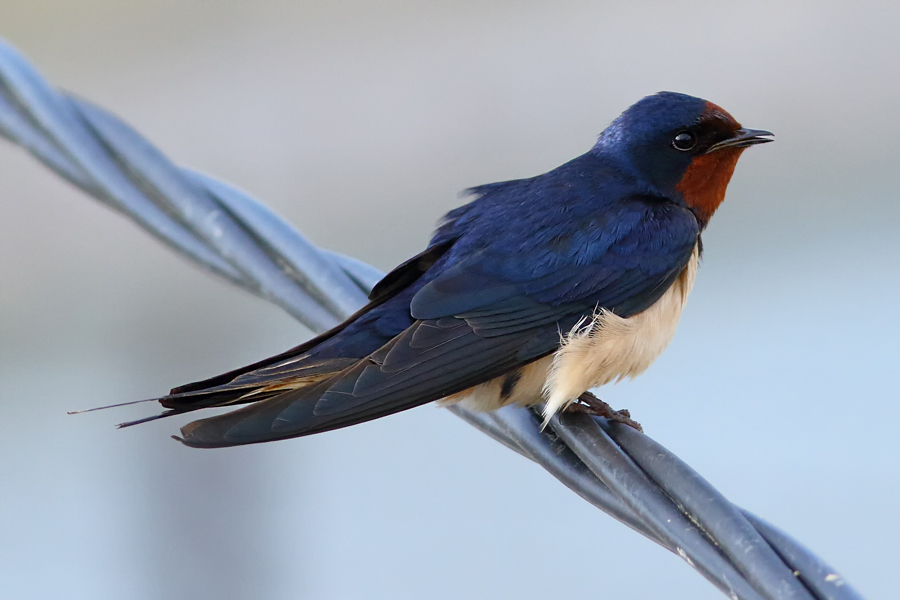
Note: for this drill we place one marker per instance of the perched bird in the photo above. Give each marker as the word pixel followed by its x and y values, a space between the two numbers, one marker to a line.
pixel 536 291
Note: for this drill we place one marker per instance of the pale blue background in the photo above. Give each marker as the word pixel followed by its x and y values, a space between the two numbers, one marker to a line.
pixel 360 122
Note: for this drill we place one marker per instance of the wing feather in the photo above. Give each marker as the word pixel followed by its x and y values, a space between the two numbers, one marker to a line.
pixel 474 321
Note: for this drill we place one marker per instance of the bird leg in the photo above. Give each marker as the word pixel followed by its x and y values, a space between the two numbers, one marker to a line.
pixel 590 404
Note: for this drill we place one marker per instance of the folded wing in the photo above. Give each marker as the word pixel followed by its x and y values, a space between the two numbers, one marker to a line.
pixel 482 315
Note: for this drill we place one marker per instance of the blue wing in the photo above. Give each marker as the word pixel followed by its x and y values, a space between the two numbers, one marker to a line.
pixel 491 302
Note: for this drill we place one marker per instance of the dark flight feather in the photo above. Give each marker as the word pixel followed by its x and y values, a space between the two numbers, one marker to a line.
pixel 291 369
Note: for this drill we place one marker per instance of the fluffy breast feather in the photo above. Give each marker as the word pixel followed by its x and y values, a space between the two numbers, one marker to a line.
pixel 609 348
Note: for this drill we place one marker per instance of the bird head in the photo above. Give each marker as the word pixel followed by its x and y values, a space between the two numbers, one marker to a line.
pixel 684 147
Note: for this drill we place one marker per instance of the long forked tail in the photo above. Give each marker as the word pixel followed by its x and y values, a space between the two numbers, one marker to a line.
pixel 304 366
pixel 320 405
pixel 294 413
pixel 162 415
pixel 251 387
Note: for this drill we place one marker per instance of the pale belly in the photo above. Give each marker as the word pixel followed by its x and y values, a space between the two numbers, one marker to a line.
pixel 600 349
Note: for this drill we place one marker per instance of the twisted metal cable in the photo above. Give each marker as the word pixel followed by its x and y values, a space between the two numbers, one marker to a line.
pixel 229 234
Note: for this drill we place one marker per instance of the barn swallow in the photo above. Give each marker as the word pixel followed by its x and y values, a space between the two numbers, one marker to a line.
pixel 537 290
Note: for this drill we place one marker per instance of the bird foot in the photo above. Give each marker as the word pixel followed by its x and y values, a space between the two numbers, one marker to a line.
pixel 590 404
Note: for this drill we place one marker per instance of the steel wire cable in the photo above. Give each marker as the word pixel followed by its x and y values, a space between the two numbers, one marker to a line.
pixel 229 234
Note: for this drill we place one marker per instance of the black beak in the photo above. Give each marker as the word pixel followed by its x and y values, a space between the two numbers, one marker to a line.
pixel 744 138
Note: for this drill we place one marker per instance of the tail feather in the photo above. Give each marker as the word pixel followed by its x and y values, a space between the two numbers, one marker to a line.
pixel 242 390
pixel 296 372
pixel 162 415
pixel 297 412
pixel 255 386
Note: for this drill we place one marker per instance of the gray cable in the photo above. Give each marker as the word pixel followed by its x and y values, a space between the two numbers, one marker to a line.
pixel 229 234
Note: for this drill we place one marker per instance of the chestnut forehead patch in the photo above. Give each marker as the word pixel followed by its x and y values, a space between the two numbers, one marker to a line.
pixel 717 117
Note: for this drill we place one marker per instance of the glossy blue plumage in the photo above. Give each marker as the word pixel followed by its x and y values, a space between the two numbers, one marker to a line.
pixel 502 278
pixel 585 233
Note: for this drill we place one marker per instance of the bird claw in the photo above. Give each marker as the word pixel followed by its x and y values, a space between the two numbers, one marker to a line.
pixel 590 404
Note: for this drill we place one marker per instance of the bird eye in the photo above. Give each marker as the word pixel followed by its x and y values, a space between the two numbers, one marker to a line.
pixel 684 141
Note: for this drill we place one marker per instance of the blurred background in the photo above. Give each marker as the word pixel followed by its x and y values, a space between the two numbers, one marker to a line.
pixel 360 122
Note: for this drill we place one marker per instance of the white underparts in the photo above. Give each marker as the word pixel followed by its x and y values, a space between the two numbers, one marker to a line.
pixel 600 349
